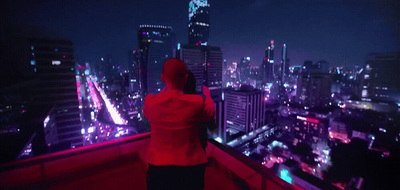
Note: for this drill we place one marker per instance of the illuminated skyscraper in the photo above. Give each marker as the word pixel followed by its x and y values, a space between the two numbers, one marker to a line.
pixel 284 63
pixel 133 67
pixel 268 64
pixel 199 22
pixel 205 62
pixel 52 61
pixel 156 46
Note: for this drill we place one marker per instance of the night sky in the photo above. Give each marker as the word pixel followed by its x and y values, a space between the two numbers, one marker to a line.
pixel 341 32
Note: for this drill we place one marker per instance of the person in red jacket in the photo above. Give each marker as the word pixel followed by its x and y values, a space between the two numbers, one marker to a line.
pixel 175 155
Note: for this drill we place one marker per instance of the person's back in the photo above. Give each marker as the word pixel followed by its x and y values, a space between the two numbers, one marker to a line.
pixel 175 156
pixel 174 118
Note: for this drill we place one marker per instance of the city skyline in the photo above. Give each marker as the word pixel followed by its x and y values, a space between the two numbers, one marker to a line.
pixel 342 33
pixel 305 92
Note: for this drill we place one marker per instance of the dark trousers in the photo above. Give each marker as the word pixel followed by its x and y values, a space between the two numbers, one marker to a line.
pixel 176 177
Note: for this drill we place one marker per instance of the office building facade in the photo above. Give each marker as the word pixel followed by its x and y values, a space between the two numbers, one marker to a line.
pixel 156 45
pixel 52 61
pixel 314 89
pixel 268 64
pixel 205 62
pixel 380 78
pixel 244 109
pixel 309 130
pixel 199 22
pixel 244 69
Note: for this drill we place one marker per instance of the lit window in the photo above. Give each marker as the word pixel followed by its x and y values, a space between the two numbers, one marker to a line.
pixel 56 62
pixel 33 62
pixel 364 93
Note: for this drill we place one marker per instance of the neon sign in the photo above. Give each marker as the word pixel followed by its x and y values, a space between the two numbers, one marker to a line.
pixel 308 119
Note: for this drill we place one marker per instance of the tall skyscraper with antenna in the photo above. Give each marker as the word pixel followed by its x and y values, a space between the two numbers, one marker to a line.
pixel 268 64
pixel 284 63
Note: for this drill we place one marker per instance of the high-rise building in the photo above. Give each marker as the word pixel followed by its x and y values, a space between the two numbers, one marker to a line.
pixel 195 60
pixel 284 72
pixel 244 69
pixel 134 68
pixel 107 65
pixel 380 81
pixel 52 61
pixel 310 130
pixel 213 72
pixel 320 66
pixel 27 133
pixel 268 64
pixel 205 62
pixel 199 22
pixel 244 109
pixel 156 44
pixel 314 89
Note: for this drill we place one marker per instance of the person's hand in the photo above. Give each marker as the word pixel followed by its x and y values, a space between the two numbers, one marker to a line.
pixel 206 91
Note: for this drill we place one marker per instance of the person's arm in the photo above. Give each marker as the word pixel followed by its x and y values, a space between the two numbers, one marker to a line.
pixel 209 109
pixel 147 101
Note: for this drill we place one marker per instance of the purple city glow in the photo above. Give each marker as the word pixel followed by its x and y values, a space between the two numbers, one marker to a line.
pixel 95 99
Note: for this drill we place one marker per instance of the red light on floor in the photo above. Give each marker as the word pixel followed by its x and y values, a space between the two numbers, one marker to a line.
pixel 64 56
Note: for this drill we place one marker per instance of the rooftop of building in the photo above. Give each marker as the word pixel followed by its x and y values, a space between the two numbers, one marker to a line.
pixel 24 124
pixel 120 164
pixel 201 47
pixel 243 90
pixel 315 181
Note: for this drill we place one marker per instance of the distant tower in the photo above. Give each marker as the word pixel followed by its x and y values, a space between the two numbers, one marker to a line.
pixel 244 69
pixel 199 22
pixel 107 65
pixel 284 63
pixel 268 64
pixel 314 89
pixel 133 67
pixel 156 46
